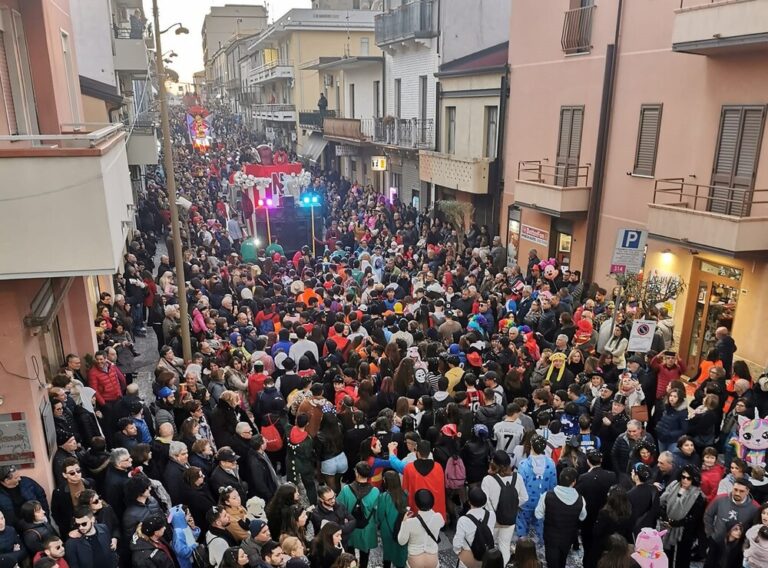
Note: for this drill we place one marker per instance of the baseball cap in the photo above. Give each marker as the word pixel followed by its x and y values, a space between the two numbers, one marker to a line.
pixel 490 375
pixel 226 454
pixel 164 392
pixel 152 524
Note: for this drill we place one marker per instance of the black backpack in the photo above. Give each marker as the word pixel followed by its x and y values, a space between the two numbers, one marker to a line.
pixel 509 501
pixel 358 512
pixel 483 540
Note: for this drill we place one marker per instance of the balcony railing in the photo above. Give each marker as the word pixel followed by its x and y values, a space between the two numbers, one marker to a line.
pixel 313 119
pixel 409 21
pixel 722 219
pixel 278 69
pixel 345 128
pixel 735 202
pixel 577 30
pixel 405 133
pixel 562 189
pixel 560 175
pixel 282 113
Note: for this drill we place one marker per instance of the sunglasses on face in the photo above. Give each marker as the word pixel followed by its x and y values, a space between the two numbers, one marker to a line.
pixel 686 477
pixel 83 524
pixel 73 472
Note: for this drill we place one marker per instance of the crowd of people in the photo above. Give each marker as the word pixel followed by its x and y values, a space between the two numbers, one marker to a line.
pixel 403 387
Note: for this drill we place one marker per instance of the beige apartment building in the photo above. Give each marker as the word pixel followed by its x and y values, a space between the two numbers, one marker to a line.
pixel 285 75
pixel 646 115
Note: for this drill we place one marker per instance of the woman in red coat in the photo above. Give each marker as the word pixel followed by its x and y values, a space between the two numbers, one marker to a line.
pixel 149 292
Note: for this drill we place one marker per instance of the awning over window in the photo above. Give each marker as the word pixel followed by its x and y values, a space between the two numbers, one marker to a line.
pixel 313 147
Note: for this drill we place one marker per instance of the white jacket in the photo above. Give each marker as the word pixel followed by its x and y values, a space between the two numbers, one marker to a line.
pixel 413 534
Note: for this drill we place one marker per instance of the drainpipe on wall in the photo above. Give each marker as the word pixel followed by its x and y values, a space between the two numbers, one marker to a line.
pixel 603 133
pixel 432 198
pixel 500 139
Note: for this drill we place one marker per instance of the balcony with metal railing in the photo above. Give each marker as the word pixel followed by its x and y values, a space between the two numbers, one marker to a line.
pixel 130 51
pixel 721 27
pixel 272 71
pixel 561 189
pixel 577 30
pixel 410 21
pixel 313 119
pixel 401 132
pixel 726 219
pixel 278 113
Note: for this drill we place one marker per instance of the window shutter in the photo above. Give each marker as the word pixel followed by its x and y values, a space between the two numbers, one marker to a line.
pixel 741 131
pixel 5 86
pixel 563 143
pixel 574 149
pixel 647 140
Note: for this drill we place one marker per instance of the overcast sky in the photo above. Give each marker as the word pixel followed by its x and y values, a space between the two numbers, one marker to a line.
pixel 191 13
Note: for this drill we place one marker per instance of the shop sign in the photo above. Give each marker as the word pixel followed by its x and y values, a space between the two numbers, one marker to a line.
pixel 379 163
pixel 345 150
pixel 629 253
pixel 15 446
pixel 641 336
pixel 534 235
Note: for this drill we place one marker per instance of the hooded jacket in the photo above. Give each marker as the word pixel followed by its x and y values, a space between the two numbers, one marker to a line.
pixel 184 538
pixel 301 452
pixel 425 474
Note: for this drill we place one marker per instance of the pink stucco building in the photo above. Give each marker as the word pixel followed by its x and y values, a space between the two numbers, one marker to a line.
pixel 646 115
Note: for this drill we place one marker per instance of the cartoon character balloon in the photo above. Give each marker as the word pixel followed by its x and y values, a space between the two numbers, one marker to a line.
pixel 649 549
pixel 751 442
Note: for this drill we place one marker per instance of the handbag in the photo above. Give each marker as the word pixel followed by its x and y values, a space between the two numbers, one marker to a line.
pixel 639 412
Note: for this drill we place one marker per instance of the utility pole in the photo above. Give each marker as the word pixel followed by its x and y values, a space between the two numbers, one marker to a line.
pixel 170 180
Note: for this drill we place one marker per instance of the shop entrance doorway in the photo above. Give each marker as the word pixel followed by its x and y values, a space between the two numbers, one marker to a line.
pixel 712 302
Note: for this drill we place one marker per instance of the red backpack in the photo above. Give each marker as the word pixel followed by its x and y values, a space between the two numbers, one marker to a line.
pixel 272 436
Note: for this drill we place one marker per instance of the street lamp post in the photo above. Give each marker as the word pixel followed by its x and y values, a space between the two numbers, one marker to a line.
pixel 170 177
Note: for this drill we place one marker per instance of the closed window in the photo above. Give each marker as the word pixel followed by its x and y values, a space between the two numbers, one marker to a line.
pixel 376 99
pixel 735 167
pixel 450 130
pixel 569 146
pixel 491 131
pixel 364 46
pixel 351 100
pixel 647 140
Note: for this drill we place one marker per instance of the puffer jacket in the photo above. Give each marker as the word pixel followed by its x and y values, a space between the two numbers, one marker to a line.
pixel 673 423
pixel 106 383
pixel 34 534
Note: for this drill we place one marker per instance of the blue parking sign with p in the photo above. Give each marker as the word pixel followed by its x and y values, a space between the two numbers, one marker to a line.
pixel 631 239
